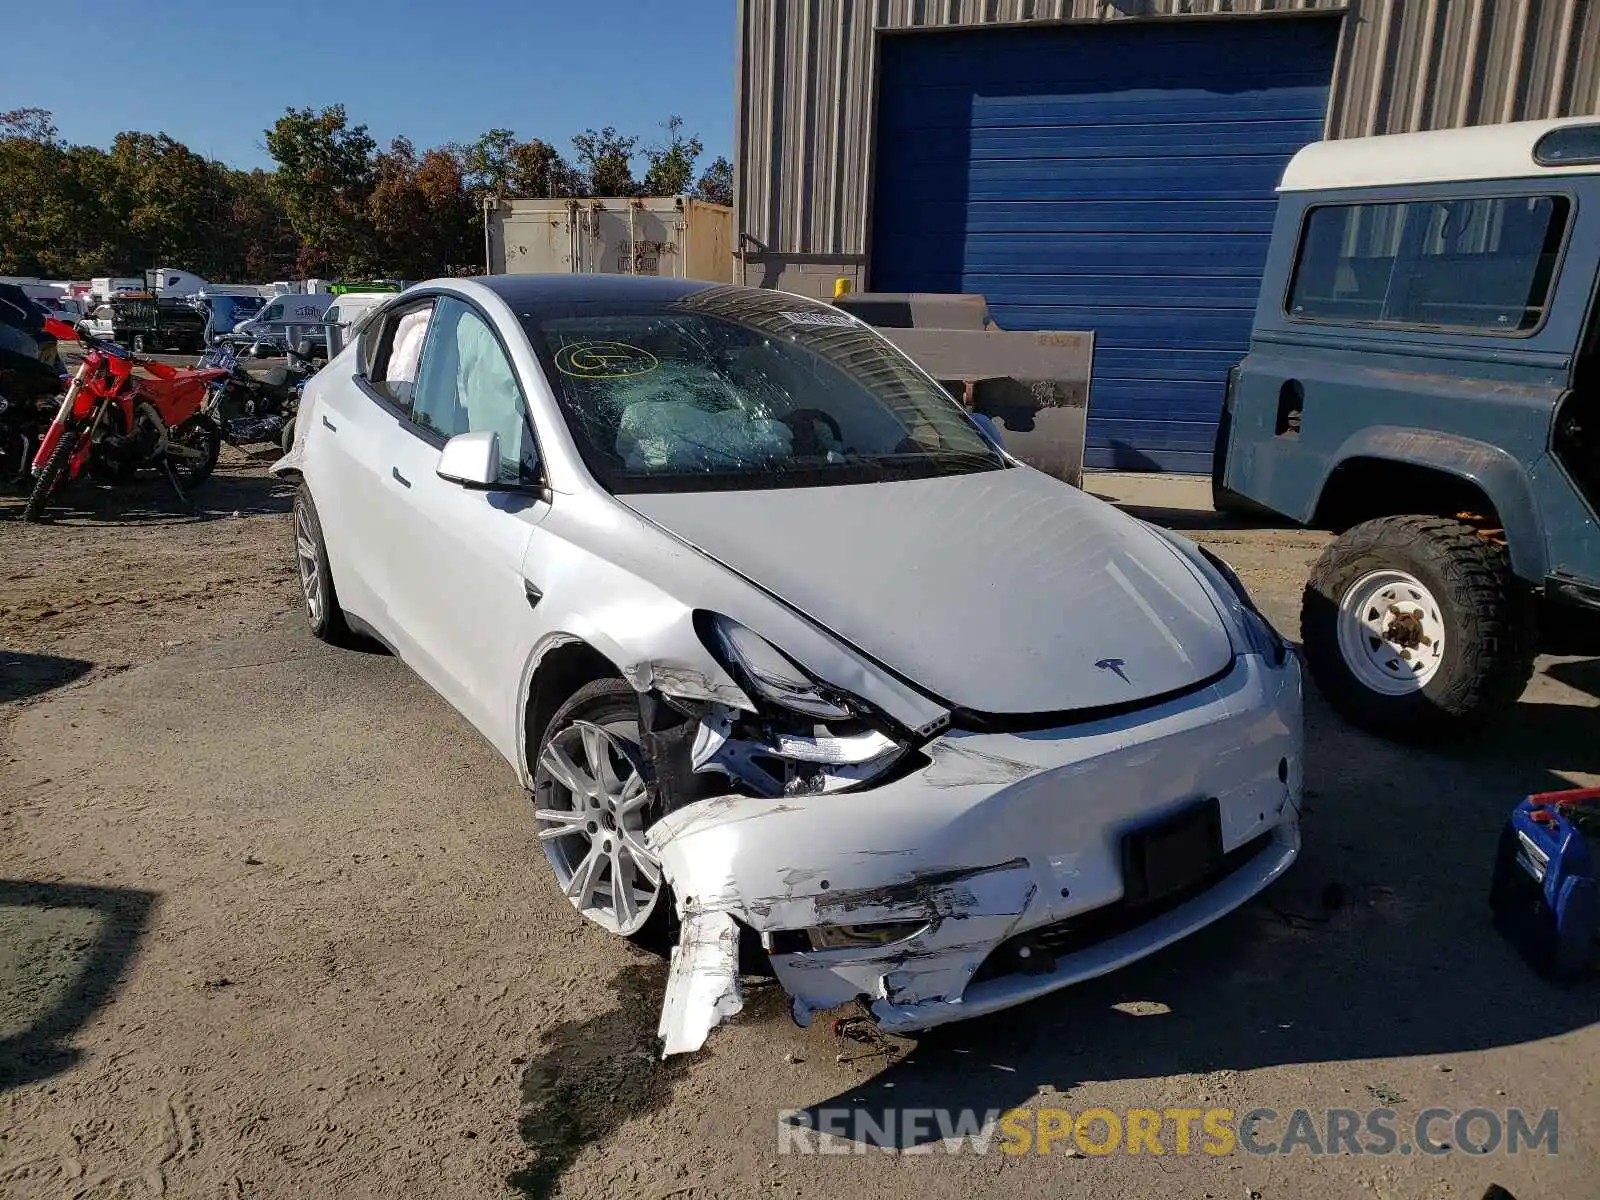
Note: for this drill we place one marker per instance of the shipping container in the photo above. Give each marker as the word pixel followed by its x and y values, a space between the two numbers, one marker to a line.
pixel 671 236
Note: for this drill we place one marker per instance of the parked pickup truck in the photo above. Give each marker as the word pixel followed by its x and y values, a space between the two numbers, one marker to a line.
pixel 148 323
pixel 1424 380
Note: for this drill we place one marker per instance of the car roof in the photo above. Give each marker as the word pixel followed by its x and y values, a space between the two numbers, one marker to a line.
pixel 1435 156
pixel 517 290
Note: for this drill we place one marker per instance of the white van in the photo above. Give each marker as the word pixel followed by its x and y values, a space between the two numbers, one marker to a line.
pixel 285 319
pixel 352 308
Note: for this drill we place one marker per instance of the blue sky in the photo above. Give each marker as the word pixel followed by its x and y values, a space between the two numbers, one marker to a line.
pixel 215 75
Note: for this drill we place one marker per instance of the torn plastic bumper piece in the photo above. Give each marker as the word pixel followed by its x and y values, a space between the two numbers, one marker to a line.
pixel 702 983
pixel 996 837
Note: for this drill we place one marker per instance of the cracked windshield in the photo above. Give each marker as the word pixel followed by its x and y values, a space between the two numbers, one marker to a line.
pixel 677 398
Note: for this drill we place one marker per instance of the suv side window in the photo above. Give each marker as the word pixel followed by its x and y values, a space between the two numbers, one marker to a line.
pixel 468 385
pixel 398 356
pixel 1484 264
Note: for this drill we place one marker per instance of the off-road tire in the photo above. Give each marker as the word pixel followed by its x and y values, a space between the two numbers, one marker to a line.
pixel 326 618
pixel 54 468
pixel 600 701
pixel 286 440
pixel 192 473
pixel 1490 639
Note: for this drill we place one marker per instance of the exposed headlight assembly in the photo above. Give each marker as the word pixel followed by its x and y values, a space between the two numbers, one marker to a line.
pixel 808 737
pixel 773 676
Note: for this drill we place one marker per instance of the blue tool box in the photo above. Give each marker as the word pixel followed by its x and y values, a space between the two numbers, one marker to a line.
pixel 1543 894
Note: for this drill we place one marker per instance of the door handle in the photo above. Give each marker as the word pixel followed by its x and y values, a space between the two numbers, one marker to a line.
pixel 329 425
pixel 399 478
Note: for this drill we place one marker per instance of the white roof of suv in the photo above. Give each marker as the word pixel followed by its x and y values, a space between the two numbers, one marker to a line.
pixel 1438 156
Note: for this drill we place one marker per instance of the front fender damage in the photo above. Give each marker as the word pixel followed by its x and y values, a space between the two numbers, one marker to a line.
pixel 723 771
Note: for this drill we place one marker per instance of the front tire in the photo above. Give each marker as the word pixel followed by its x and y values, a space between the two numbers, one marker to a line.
pixel 51 477
pixel 592 806
pixel 1413 627
pixel 323 613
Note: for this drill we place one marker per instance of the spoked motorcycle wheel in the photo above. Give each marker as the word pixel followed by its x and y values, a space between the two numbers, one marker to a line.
pixel 54 473
pixel 198 443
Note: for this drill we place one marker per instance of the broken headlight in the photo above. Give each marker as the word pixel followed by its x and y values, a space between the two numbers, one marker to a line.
pixel 807 736
pixel 770 673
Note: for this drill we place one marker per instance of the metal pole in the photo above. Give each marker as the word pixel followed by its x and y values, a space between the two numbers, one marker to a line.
pixel 488 249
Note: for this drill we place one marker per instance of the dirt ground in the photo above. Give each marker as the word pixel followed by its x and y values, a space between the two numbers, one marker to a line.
pixel 273 923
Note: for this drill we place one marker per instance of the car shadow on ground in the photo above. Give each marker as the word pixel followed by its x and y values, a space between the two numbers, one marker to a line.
pixel 23 676
pixel 1582 675
pixel 235 490
pixel 1376 944
pixel 63 951
pixel 610 1054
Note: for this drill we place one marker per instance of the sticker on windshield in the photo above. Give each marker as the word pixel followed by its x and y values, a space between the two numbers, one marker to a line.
pixel 604 360
pixel 837 320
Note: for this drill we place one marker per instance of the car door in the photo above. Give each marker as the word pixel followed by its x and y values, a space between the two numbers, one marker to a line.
pixel 358 419
pixel 457 596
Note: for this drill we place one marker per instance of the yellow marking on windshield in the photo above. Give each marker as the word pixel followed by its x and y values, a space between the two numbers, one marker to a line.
pixel 604 360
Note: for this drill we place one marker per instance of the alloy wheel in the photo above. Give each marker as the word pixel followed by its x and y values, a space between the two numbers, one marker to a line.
pixel 591 819
pixel 305 545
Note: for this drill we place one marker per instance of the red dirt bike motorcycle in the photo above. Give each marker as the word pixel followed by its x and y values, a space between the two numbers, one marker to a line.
pixel 112 422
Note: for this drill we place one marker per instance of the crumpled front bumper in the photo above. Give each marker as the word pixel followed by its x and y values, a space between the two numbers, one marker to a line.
pixel 998 835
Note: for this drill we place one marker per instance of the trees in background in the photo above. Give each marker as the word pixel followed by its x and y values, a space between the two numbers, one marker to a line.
pixel 326 172
pixel 606 160
pixel 335 204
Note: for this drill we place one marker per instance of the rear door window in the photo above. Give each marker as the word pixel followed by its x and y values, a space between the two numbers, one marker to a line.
pixel 393 373
pixel 1481 264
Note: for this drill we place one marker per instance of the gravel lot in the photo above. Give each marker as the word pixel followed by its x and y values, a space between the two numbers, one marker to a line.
pixel 273 923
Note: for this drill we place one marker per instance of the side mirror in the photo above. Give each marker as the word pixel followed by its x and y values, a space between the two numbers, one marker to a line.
pixel 471 459
pixel 990 427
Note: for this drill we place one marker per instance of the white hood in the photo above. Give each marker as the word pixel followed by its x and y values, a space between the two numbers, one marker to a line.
pixel 1002 592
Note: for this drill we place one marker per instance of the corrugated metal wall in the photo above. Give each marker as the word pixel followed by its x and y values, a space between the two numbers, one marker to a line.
pixel 806 88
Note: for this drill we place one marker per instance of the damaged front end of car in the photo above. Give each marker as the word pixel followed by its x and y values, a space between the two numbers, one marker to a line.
pixel 936 873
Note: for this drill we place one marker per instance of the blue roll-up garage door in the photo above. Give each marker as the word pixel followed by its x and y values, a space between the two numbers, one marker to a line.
pixel 1116 177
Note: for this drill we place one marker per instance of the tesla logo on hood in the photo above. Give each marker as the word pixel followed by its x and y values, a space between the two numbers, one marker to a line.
pixel 1113 664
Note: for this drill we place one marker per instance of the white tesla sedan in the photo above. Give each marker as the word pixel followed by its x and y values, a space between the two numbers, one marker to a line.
pixel 779 638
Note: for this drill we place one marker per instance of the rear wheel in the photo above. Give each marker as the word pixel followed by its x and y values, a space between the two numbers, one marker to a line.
pixel 592 806
pixel 198 443
pixel 1413 627
pixel 51 478
pixel 323 613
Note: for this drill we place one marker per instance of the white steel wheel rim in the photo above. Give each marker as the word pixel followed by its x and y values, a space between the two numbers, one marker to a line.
pixel 305 548
pixel 1391 632
pixel 591 801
